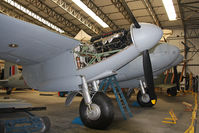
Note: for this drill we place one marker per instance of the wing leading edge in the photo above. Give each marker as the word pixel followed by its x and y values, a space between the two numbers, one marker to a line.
pixel 35 44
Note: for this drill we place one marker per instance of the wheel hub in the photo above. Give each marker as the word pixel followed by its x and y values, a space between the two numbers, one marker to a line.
pixel 94 112
pixel 145 98
pixel 44 126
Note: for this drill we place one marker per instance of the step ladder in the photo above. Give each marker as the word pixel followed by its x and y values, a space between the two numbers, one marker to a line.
pixel 27 124
pixel 121 100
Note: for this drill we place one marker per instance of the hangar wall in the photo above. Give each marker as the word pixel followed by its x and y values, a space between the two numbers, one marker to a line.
pixel 193 64
pixel 176 38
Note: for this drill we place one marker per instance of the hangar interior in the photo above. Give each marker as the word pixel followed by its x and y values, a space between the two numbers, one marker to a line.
pixel 69 19
pixel 65 17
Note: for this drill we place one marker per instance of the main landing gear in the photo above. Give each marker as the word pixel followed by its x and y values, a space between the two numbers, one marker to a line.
pixel 143 97
pixel 98 112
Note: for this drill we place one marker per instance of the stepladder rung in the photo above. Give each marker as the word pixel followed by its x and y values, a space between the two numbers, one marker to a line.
pixel 121 100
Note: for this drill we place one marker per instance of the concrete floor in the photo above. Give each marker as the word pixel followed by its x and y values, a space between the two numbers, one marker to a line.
pixel 144 120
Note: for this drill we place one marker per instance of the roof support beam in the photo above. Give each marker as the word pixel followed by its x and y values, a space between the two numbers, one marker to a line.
pixel 118 4
pixel 59 18
pixel 195 7
pixel 4 9
pixel 126 11
pixel 193 2
pixel 191 33
pixel 10 12
pixel 100 13
pixel 151 11
pixel 181 13
pixel 76 14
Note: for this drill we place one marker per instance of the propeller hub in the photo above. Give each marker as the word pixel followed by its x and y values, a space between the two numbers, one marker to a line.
pixel 145 98
pixel 94 112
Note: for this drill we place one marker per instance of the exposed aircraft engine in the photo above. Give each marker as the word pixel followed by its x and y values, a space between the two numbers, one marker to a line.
pixel 112 41
pixel 102 47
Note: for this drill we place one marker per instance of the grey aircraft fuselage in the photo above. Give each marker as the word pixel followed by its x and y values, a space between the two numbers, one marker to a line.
pixel 47 58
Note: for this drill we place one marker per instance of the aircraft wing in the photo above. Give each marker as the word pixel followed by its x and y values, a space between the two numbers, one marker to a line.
pixel 103 75
pixel 34 43
pixel 2 83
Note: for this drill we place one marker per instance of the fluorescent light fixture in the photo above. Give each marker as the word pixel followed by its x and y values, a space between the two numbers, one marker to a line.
pixel 168 4
pixel 90 13
pixel 25 10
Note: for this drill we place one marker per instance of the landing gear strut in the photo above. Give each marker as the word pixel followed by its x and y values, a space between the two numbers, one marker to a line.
pixel 143 96
pixel 98 112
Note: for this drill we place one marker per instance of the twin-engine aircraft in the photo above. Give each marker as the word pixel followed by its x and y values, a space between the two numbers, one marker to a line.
pixel 53 62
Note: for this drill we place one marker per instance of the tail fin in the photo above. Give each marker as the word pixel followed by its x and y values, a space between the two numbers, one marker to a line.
pixel 10 69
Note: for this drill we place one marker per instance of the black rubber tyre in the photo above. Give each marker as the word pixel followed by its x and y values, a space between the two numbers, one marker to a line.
pixel 106 108
pixel 143 104
pixel 172 91
pixel 46 124
pixel 2 127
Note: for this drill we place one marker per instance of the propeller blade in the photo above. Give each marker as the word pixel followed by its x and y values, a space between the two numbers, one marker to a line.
pixel 132 17
pixel 148 75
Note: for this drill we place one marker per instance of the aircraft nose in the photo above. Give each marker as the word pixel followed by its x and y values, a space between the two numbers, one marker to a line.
pixel 145 37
